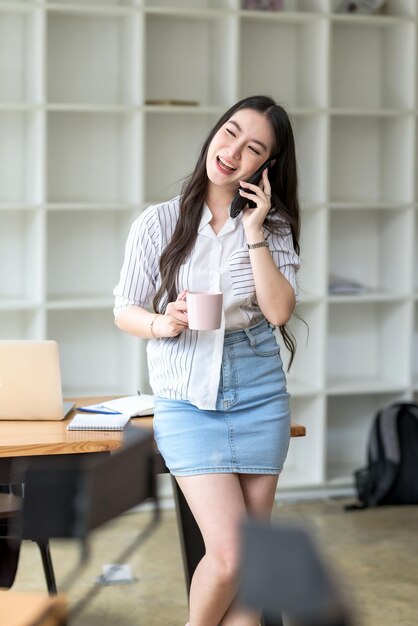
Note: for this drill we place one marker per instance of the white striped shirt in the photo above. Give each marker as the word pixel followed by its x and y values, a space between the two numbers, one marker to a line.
pixel 187 367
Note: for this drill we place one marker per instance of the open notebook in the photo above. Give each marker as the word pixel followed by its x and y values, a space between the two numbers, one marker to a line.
pixel 113 414
pixel 134 406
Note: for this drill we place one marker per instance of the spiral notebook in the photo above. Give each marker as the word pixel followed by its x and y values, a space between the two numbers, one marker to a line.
pixel 99 421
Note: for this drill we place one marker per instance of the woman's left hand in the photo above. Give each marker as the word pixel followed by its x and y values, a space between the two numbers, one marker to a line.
pixel 252 219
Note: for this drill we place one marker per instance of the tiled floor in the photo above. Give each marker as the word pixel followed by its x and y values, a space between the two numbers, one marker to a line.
pixel 375 553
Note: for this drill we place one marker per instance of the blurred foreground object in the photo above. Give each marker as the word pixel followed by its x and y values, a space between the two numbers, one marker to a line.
pixel 32 609
pixel 69 497
pixel 283 573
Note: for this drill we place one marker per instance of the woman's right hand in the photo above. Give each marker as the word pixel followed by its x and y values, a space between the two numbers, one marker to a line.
pixel 174 320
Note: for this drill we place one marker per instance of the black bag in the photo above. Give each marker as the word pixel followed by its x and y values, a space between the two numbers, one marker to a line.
pixel 391 476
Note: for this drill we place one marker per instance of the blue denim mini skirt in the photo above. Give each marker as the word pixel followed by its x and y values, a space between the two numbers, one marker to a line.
pixel 249 431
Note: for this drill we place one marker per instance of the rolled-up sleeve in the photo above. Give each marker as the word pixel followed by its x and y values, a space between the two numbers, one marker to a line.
pixel 284 255
pixel 138 276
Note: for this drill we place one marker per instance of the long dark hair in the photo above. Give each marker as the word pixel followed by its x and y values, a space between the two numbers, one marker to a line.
pixel 284 201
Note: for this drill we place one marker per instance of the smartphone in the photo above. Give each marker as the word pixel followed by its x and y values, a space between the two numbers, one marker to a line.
pixel 239 203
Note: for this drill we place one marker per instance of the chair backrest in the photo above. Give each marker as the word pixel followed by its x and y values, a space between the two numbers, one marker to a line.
pixel 284 573
pixel 70 496
pixel 9 505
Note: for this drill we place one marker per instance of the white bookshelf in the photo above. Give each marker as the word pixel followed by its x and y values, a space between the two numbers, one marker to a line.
pixel 84 148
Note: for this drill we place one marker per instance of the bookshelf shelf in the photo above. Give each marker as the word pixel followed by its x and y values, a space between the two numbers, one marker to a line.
pixel 365 64
pixel 298 78
pixel 101 144
pixel 82 45
pixel 177 74
pixel 21 244
pixel 75 268
pixel 359 245
pixel 20 133
pixel 386 146
pixel 88 338
pixel 162 141
pixel 363 333
pixel 348 424
pixel 102 112
pixel 21 322
pixel 19 46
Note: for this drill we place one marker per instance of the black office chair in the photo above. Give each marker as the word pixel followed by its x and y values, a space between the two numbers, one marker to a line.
pixel 283 573
pixel 70 497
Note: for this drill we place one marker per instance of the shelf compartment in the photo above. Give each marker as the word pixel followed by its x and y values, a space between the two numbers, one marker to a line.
pixel 311 154
pixel 172 145
pixel 365 62
pixel 18 56
pixel 299 52
pixel 191 58
pixel 85 255
pixel 96 357
pixel 20 157
pixel 306 374
pixel 92 157
pixel 304 463
pixel 305 6
pixel 311 275
pixel 359 245
pixel 385 145
pixel 367 344
pixel 92 58
pixel 349 420
pixel 20 324
pixel 21 237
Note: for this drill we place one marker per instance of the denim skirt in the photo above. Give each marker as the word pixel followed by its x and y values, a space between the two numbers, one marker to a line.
pixel 249 431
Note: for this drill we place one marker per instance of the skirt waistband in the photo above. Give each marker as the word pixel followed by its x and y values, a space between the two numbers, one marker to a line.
pixel 234 336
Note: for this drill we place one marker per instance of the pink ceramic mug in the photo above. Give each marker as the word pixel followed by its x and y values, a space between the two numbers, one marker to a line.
pixel 204 310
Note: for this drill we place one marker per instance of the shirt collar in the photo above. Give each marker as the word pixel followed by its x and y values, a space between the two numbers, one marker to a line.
pixel 206 229
pixel 205 219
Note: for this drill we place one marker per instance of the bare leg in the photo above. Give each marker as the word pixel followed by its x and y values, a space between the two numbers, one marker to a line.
pixel 218 505
pixel 258 492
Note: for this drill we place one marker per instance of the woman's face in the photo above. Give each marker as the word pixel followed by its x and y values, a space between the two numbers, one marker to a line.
pixel 239 148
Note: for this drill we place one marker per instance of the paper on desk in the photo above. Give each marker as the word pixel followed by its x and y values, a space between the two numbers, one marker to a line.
pixel 133 406
pixel 116 574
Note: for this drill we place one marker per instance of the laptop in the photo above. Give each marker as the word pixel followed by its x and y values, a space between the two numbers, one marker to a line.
pixel 30 381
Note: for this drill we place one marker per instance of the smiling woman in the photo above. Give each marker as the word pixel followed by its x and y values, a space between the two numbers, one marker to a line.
pixel 222 419
pixel 240 146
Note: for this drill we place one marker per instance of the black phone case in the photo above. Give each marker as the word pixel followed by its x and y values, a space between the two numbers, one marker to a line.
pixel 239 203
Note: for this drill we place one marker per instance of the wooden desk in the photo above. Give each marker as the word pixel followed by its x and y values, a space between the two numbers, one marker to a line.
pixel 22 438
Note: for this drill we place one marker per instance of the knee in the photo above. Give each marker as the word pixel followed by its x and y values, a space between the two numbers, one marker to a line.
pixel 225 564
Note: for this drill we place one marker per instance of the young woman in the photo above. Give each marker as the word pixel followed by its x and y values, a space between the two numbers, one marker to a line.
pixel 222 420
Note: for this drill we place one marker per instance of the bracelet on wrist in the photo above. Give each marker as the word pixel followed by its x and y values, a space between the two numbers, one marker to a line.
pixel 152 326
pixel 259 244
